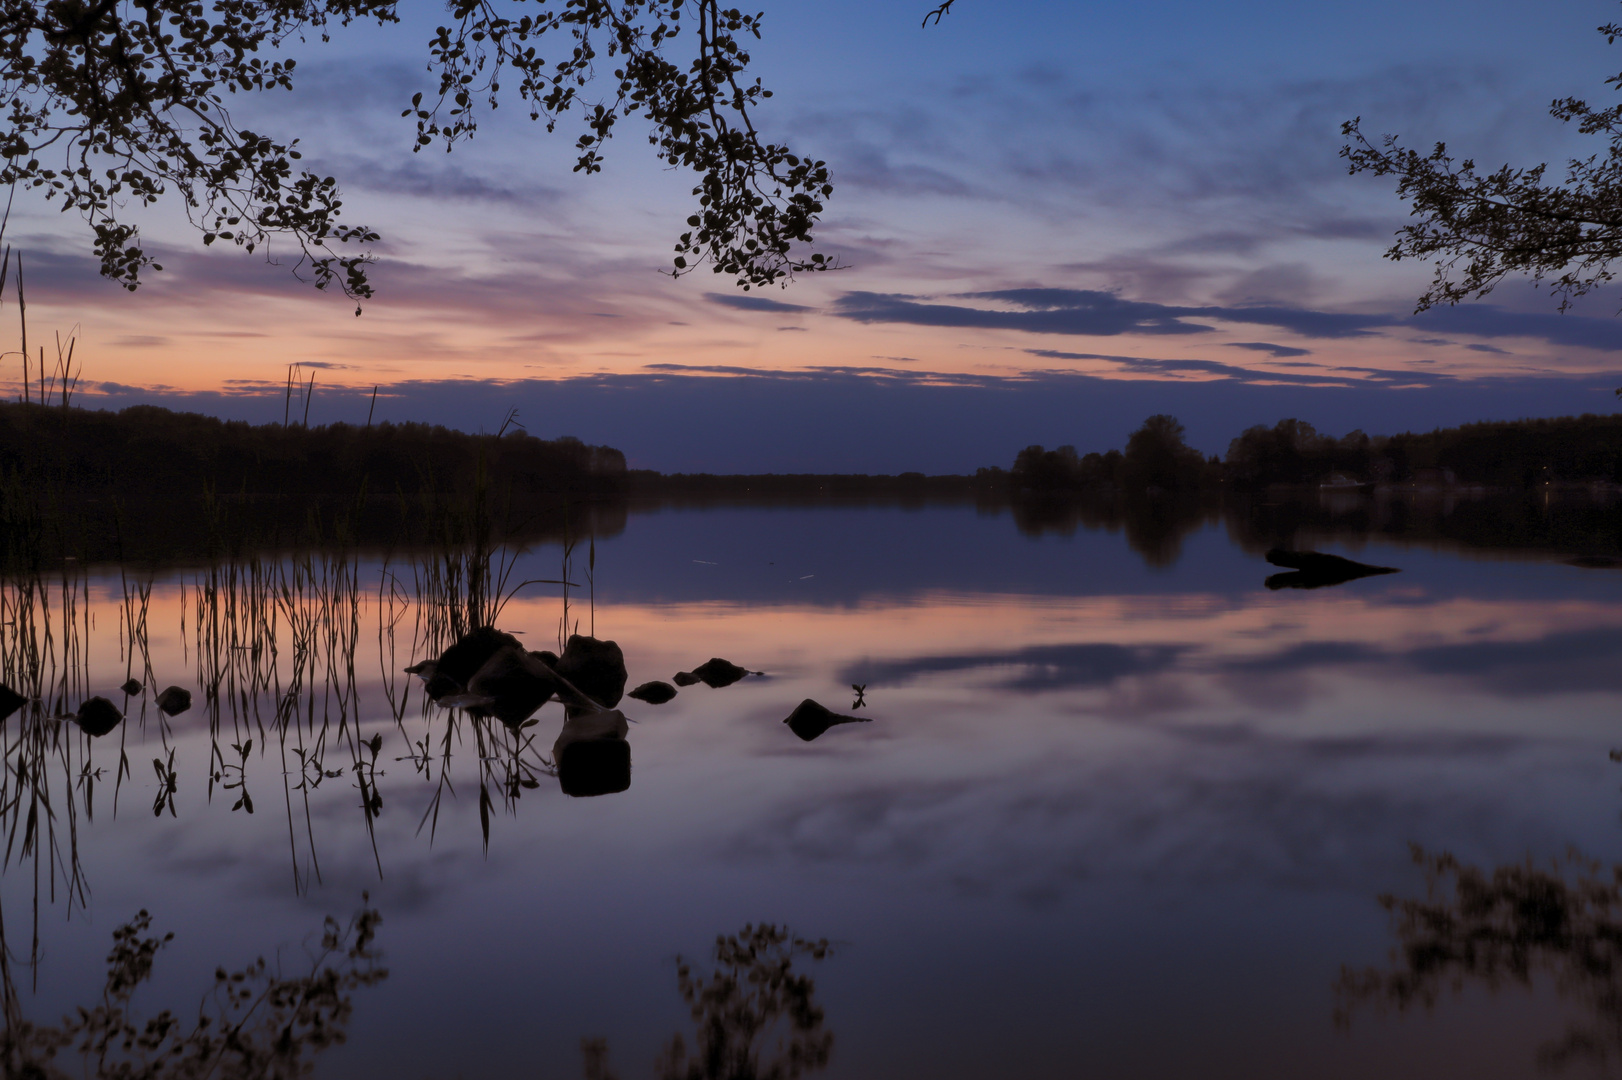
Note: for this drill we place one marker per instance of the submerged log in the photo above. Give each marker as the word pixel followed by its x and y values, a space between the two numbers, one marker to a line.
pixel 1315 570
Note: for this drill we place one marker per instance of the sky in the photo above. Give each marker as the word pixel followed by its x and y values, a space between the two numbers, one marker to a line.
pixel 1055 220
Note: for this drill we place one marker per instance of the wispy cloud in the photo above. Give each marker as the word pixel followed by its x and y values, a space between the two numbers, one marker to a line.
pixel 753 303
pixel 1276 351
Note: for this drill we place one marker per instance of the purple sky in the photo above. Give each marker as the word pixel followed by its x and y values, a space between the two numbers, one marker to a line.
pixel 1058 218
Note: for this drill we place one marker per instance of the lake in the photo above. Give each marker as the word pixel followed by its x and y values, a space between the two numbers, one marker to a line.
pixel 1111 808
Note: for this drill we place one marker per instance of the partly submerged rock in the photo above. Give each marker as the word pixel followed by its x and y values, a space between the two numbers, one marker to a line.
pixel 809 719
pixel 654 693
pixel 174 700
pixel 714 672
pixel 592 755
pixel 97 716
pixel 1315 570
pixel 595 668
pixel 10 701
pixel 425 668
pixel 131 687
pixel 470 653
pixel 516 681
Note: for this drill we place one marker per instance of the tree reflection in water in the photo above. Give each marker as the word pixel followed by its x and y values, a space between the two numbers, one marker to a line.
pixel 254 1023
pixel 1506 928
pixel 753 1003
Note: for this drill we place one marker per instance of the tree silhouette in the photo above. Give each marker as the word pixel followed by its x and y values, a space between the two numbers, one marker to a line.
pixel 1481 227
pixel 113 104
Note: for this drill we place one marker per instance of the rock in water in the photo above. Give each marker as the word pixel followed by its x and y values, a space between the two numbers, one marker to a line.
pixel 10 701
pixel 716 672
pixel 592 755
pixel 98 716
pixel 654 693
pixel 174 701
pixel 516 681
pixel 442 686
pixel 595 668
pixel 463 660
pixel 809 719
pixel 685 678
pixel 131 687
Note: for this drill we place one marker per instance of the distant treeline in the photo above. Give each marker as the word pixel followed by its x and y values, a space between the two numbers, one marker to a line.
pixel 1507 454
pixel 146 450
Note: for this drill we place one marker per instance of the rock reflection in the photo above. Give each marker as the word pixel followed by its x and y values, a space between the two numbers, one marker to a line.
pixel 592 755
pixel 1509 926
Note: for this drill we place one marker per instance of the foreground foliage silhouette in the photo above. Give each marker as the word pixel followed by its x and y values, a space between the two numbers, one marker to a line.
pixel 754 1016
pixel 1482 227
pixel 114 105
pixel 1510 926
pixel 255 1023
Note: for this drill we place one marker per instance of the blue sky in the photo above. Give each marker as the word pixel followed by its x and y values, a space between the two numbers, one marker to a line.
pixel 1057 218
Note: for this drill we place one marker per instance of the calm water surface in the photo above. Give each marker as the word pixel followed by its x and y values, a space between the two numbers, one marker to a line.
pixel 1105 818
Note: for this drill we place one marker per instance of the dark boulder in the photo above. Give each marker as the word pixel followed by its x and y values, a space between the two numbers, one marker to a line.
pixel 441 686
pixel 714 672
pixel 595 668
pixel 809 719
pixel 131 687
pixel 174 701
pixel 1315 570
pixel 10 701
pixel 98 716
pixel 592 755
pixel 517 682
pixel 654 693
pixel 470 653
